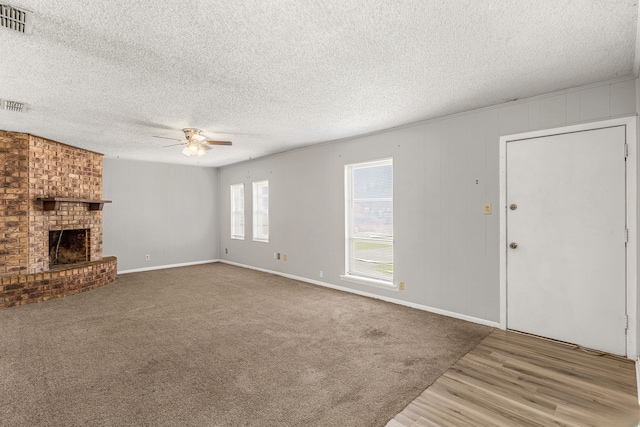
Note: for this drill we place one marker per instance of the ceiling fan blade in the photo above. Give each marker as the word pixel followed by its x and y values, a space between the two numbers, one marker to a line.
pixel 210 142
pixel 164 137
pixel 172 145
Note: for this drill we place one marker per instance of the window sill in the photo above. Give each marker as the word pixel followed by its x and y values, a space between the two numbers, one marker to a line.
pixel 370 282
pixel 237 238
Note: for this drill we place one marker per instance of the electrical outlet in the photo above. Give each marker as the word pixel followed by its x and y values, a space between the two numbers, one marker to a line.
pixel 284 257
pixel 147 257
pixel 278 255
pixel 401 286
pixel 487 208
pixel 226 251
pixel 275 255
pixel 321 274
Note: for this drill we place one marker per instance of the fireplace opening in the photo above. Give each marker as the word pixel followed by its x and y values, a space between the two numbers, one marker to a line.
pixel 68 247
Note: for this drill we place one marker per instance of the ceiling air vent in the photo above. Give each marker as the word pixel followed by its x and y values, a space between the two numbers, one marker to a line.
pixel 18 107
pixel 16 19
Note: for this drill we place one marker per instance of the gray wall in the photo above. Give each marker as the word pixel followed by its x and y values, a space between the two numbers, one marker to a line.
pixel 166 211
pixel 446 249
pixel 638 210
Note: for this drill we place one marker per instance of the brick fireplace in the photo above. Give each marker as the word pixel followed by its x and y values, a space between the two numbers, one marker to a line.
pixel 46 189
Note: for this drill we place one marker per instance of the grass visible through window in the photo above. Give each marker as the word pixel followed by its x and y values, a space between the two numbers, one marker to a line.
pixel 385 268
pixel 365 246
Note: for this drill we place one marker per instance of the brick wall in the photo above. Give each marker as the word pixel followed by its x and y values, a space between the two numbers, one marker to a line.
pixel 14 203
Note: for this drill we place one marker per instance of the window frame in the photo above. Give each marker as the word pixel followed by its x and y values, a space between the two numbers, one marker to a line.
pixel 353 276
pixel 237 212
pixel 264 213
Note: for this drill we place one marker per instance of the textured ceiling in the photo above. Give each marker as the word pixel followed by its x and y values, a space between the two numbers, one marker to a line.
pixel 276 75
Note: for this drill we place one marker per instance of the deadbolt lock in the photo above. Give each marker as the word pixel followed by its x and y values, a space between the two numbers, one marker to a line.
pixel 513 245
pixel 513 206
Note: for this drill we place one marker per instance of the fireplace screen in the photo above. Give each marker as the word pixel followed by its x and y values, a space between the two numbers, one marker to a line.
pixel 68 247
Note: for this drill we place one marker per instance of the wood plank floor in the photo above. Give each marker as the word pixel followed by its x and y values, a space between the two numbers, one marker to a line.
pixel 512 379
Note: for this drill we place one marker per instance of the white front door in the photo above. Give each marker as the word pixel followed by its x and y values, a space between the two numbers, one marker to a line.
pixel 566 254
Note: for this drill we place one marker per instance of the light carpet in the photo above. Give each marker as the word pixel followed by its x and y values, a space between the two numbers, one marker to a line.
pixel 219 345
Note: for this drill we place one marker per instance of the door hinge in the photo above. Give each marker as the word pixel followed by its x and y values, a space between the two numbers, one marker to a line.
pixel 626 235
pixel 626 322
pixel 626 150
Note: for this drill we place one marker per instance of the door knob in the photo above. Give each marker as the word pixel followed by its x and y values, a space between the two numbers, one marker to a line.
pixel 513 206
pixel 513 245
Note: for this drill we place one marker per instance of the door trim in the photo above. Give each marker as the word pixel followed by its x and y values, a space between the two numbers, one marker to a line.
pixel 630 124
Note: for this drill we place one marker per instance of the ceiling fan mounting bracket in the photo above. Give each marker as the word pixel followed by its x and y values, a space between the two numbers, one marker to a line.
pixel 190 132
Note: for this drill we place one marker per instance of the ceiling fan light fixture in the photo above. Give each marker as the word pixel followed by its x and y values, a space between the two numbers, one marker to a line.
pixel 195 144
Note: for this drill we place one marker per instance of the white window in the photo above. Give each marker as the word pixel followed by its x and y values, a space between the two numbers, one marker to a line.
pixel 261 211
pixel 237 211
pixel 369 222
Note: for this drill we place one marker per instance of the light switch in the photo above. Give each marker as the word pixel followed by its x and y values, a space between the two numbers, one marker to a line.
pixel 487 208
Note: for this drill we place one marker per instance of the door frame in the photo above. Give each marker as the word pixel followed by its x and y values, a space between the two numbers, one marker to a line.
pixel 630 124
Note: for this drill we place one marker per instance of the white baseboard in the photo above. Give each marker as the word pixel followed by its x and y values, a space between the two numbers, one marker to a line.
pixel 162 267
pixel 370 295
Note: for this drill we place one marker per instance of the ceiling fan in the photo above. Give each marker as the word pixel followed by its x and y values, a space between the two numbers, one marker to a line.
pixel 196 144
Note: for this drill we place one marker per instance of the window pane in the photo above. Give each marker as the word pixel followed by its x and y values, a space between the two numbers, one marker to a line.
pixel 373 218
pixel 370 220
pixel 237 211
pixel 372 182
pixel 261 211
pixel 371 258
